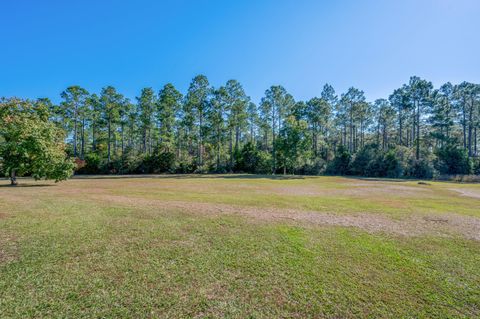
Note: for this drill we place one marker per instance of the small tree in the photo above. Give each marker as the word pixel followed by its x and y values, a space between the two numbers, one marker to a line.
pixel 30 144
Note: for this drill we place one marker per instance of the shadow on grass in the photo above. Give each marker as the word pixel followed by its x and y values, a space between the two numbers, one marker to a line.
pixel 25 185
pixel 190 176
pixel 381 179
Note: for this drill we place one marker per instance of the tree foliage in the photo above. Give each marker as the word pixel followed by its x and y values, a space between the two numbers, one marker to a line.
pixel 30 144
pixel 418 131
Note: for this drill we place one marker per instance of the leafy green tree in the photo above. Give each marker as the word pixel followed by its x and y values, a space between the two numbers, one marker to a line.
pixel 293 143
pixel 30 144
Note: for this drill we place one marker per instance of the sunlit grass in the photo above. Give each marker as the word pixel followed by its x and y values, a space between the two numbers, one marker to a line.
pixel 74 255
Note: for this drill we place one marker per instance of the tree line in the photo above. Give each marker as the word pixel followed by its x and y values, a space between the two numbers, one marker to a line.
pixel 417 131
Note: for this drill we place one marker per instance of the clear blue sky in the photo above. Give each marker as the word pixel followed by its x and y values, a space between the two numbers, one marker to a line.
pixel 373 45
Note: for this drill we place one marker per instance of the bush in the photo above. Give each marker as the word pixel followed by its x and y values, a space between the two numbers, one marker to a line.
pixel 315 167
pixel 186 166
pixel 421 168
pixel 392 165
pixel 248 159
pixel 453 160
pixel 160 161
pixel 368 162
pixel 264 164
pixel 341 164
pixel 476 166
pixel 92 165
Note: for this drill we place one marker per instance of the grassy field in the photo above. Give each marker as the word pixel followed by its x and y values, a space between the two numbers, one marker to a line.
pixel 239 246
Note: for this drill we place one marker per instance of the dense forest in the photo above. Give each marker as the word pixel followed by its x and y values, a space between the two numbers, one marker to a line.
pixel 417 131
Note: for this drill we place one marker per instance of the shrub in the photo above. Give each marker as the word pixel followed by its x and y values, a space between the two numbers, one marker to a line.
pixel 476 166
pixel 341 163
pixel 453 160
pixel 368 162
pixel 421 168
pixel 160 161
pixel 392 165
pixel 92 165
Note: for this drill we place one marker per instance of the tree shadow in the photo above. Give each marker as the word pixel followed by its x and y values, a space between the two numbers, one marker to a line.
pixel 193 176
pixel 26 185
pixel 381 179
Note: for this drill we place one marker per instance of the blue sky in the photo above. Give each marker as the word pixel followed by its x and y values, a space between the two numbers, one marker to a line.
pixel 374 45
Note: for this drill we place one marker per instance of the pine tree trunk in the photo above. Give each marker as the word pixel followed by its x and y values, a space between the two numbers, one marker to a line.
pixel 75 135
pixel 109 141
pixel 83 138
pixel 418 131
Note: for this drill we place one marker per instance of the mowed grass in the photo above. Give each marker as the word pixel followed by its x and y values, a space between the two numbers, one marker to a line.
pixel 118 248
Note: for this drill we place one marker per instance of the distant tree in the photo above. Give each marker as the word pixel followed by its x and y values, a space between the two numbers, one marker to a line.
pixel 400 102
pixel 75 111
pixel 419 92
pixel 276 103
pixel 318 114
pixel 353 107
pixel 169 104
pixel 111 103
pixel 125 110
pixel 30 144
pixel 253 121
pixel 217 122
pixel 443 113
pixel 96 119
pixel 385 117
pixel 293 143
pixel 236 104
pixel 146 109
pixel 197 102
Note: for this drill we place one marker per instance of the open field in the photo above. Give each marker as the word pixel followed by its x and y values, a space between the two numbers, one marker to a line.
pixel 239 246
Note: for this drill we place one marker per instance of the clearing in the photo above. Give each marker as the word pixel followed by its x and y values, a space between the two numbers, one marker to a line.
pixel 239 246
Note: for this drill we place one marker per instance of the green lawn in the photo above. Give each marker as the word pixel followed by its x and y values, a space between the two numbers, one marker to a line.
pixel 239 246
